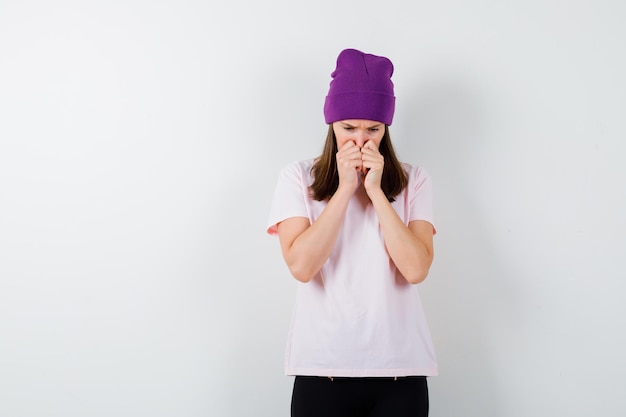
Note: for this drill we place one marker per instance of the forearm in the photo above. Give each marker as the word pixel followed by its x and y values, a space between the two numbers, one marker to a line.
pixel 410 255
pixel 306 255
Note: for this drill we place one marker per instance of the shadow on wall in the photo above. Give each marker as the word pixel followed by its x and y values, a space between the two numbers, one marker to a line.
pixel 471 306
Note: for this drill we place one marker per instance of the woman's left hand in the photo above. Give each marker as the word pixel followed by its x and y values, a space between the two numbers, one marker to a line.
pixel 373 163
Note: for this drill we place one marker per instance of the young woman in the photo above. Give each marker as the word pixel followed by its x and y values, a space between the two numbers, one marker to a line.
pixel 356 230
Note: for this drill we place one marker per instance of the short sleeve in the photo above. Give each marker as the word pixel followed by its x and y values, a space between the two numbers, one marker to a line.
pixel 290 196
pixel 421 196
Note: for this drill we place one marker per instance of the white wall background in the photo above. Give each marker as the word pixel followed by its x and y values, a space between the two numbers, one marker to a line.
pixel 140 142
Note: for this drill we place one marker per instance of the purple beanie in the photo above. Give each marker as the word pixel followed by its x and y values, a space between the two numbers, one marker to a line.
pixel 361 88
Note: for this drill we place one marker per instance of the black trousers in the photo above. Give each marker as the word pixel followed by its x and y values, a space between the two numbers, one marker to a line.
pixel 315 396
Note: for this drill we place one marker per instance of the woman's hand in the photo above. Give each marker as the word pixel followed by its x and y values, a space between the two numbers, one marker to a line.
pixel 349 163
pixel 373 164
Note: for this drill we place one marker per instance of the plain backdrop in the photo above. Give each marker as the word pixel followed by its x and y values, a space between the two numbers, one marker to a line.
pixel 140 143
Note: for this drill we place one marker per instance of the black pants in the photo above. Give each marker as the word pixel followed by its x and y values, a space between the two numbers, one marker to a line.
pixel 359 397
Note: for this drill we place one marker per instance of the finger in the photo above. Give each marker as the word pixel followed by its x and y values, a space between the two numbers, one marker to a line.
pixel 348 148
pixel 369 155
pixel 373 158
pixel 349 155
pixel 370 149
pixel 349 144
pixel 373 161
pixel 371 152
pixel 347 161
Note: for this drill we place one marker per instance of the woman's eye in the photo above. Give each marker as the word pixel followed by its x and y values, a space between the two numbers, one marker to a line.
pixel 373 129
pixel 348 128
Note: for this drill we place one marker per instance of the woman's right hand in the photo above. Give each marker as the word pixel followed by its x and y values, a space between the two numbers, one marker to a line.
pixel 349 164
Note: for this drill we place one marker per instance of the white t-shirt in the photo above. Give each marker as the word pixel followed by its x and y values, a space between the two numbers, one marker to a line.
pixel 358 316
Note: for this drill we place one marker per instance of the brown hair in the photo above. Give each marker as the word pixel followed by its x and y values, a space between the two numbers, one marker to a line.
pixel 326 177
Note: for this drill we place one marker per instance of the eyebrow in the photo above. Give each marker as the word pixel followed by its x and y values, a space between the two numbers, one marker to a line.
pixel 367 127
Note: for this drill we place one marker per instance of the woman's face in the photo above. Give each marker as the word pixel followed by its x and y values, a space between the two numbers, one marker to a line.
pixel 358 131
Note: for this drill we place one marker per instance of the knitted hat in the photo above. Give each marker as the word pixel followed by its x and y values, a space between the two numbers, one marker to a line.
pixel 361 88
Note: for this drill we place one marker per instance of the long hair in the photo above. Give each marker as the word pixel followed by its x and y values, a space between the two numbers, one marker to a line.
pixel 326 177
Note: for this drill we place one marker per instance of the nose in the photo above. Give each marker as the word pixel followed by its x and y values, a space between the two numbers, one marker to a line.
pixel 360 140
